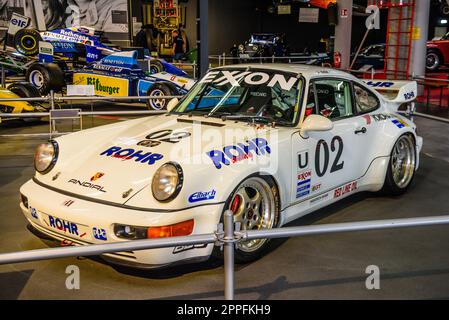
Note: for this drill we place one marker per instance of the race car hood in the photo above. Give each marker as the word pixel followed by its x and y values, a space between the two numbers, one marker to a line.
pixel 114 163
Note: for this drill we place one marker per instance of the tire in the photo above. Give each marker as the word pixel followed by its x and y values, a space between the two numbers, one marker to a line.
pixel 404 150
pixel 46 77
pixel 24 90
pixel 156 66
pixel 159 89
pixel 250 188
pixel 434 60
pixel 26 42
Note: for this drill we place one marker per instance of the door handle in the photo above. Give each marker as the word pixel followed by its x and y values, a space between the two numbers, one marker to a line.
pixel 362 130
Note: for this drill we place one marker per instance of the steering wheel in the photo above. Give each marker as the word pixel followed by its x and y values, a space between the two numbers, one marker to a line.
pixel 327 112
pixel 276 109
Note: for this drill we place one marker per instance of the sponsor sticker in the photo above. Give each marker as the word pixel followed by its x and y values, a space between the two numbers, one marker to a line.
pixel 180 249
pixel 131 154
pixel 87 184
pixel 202 196
pixel 399 123
pixel 234 78
pixel 303 186
pixel 348 188
pixel 99 234
pixel 64 225
pixel 236 153
pixel 320 198
pixel 103 85
pixel 34 213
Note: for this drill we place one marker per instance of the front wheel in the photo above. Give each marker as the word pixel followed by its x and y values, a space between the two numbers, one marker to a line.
pixel 401 169
pixel 433 60
pixel 158 90
pixel 255 204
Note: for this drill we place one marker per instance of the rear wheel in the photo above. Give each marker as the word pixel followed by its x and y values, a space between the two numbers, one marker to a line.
pixel 156 66
pixel 26 42
pixel 24 90
pixel 433 60
pixel 159 90
pixel 46 77
pixel 255 204
pixel 401 169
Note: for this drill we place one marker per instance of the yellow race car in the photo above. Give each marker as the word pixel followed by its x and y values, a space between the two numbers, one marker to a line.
pixel 19 90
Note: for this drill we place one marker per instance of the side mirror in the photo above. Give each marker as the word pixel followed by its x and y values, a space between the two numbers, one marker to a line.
pixel 314 123
pixel 172 104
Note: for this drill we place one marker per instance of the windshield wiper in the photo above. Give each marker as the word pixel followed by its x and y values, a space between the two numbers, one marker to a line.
pixel 250 118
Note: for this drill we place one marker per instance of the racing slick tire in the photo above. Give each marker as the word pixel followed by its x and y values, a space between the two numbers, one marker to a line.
pixel 156 66
pixel 26 42
pixel 256 205
pixel 159 89
pixel 46 77
pixel 27 90
pixel 434 60
pixel 401 167
pixel 24 90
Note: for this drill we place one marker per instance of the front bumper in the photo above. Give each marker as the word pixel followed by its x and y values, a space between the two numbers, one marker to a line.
pixel 74 221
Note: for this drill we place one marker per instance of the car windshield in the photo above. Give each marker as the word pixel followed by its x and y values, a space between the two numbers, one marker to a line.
pixel 247 95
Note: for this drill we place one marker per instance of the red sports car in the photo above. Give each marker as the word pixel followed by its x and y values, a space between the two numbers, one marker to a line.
pixel 437 53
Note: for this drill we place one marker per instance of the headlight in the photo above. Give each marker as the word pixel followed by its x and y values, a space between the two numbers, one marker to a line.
pixel 167 182
pixel 241 48
pixel 45 156
pixel 255 47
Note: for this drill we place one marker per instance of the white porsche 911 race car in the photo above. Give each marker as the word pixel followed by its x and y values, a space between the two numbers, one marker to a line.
pixel 269 142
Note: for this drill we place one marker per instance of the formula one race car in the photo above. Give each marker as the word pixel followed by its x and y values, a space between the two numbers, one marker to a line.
pixel 122 74
pixel 19 90
pixel 77 44
pixel 273 143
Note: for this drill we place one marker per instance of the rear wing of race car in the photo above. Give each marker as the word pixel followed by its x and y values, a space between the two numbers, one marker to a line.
pixel 395 92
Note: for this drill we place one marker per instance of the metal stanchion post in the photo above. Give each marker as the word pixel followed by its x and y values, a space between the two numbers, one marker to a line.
pixel 229 254
pixel 194 69
pixel 52 105
pixel 3 77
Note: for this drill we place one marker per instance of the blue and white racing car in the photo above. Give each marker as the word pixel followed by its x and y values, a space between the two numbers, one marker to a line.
pixel 122 74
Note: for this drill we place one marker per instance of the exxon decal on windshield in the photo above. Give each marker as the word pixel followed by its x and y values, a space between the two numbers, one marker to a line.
pixel 235 78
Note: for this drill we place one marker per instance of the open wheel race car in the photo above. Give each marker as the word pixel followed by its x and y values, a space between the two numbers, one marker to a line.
pixel 16 91
pixel 271 143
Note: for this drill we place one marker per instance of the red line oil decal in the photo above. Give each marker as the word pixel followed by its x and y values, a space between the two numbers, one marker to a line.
pixel 348 188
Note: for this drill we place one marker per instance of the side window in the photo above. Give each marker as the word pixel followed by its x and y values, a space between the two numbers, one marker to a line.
pixel 311 101
pixel 365 101
pixel 334 98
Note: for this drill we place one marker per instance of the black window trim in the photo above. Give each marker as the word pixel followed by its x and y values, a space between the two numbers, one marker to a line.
pixel 349 81
pixel 354 99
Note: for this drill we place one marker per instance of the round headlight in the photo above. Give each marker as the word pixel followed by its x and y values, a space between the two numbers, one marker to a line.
pixel 45 157
pixel 167 182
pixel 255 47
pixel 241 48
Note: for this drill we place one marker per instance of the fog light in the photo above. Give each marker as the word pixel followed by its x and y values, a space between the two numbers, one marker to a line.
pixel 130 232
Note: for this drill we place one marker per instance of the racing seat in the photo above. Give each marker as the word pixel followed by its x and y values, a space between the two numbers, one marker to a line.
pixel 257 97
pixel 327 105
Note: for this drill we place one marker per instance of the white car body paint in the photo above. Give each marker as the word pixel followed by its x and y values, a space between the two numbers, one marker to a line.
pixel 365 159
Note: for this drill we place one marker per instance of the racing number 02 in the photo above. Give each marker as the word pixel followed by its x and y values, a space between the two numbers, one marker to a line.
pixel 336 146
pixel 168 136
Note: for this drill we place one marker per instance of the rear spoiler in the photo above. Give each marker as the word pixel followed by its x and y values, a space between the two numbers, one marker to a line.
pixel 396 92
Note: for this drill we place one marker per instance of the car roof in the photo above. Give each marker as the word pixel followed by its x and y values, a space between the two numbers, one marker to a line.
pixel 306 70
